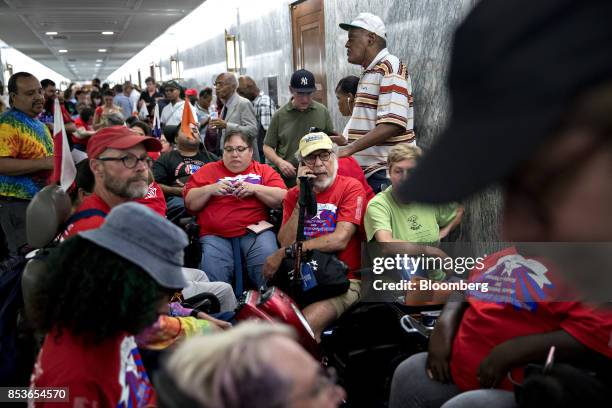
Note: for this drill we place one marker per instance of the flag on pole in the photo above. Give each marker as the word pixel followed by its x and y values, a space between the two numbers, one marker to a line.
pixel 156 131
pixel 187 119
pixel 64 170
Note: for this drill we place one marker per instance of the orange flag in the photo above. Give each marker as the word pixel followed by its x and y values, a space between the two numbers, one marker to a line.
pixel 187 119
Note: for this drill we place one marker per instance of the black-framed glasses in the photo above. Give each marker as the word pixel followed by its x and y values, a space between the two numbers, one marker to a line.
pixel 239 149
pixel 311 159
pixel 129 160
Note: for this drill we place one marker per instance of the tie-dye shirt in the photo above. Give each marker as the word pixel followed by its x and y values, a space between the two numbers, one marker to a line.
pixel 23 137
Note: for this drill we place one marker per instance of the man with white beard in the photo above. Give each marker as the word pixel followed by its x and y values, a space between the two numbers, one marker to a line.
pixel 334 229
pixel 120 164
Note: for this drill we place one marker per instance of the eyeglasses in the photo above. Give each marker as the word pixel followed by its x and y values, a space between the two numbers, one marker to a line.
pixel 230 149
pixel 129 160
pixel 311 159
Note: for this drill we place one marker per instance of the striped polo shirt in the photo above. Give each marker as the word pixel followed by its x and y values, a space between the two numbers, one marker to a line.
pixel 384 95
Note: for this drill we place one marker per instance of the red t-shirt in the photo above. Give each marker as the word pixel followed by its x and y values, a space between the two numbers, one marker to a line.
pixel 155 199
pixel 92 201
pixel 503 313
pixel 78 122
pixel 228 216
pixel 349 167
pixel 154 155
pixel 109 374
pixel 344 200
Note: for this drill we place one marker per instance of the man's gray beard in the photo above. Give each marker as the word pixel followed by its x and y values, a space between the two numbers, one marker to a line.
pixel 130 190
pixel 324 184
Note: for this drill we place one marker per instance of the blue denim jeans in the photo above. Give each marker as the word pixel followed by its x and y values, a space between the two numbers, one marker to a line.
pixel 175 208
pixel 379 181
pixel 218 259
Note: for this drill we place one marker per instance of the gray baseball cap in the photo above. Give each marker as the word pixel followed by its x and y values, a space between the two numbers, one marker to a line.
pixel 136 233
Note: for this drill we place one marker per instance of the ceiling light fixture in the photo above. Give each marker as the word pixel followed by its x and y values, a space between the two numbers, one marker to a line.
pixel 51 33
pixel 101 49
pixel 98 60
pixel 108 32
pixel 62 51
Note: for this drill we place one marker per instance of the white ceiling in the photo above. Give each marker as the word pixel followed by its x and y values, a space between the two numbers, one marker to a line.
pixel 79 24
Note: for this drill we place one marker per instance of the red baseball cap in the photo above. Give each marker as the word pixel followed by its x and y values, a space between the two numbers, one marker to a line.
pixel 191 92
pixel 119 137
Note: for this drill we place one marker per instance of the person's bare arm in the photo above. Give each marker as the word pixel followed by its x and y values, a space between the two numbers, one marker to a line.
pixel 288 231
pixel 441 339
pixel 376 136
pixel 287 169
pixel 171 191
pixel 19 167
pixel 334 242
pixel 453 224
pixel 405 247
pixel 70 127
pixel 198 197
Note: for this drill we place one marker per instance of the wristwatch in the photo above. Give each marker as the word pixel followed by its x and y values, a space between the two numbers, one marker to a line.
pixel 290 251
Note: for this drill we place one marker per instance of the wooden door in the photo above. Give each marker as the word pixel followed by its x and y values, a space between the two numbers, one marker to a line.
pixel 307 21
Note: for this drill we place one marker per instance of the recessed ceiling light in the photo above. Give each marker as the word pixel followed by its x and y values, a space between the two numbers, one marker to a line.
pixel 97 65
pixel 98 60
pixel 51 33
pixel 62 51
pixel 101 49
pixel 107 33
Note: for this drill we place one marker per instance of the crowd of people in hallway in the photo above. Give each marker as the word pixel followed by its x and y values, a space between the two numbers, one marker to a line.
pixel 237 166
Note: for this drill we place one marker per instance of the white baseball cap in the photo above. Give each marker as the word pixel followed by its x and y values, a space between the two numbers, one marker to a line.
pixel 368 22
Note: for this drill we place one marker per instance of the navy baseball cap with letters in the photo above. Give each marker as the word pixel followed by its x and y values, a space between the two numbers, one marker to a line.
pixel 516 69
pixel 303 81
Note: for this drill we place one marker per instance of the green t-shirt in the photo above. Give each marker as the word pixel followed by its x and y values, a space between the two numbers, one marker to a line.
pixel 417 223
pixel 289 125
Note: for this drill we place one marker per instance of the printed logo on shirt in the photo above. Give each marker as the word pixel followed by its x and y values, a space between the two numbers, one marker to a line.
pixel 516 280
pixel 414 225
pixel 187 168
pixel 136 389
pixel 359 208
pixel 151 192
pixel 324 222
pixel 247 178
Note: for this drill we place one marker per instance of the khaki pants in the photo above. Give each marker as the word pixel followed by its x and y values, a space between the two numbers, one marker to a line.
pixel 343 302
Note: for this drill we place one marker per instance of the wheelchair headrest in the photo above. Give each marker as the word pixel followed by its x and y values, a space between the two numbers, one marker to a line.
pixel 33 282
pixel 46 213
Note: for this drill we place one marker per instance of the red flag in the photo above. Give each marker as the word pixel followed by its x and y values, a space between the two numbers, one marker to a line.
pixel 187 119
pixel 64 170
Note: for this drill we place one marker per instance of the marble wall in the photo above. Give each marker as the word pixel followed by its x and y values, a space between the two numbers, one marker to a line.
pixel 267 52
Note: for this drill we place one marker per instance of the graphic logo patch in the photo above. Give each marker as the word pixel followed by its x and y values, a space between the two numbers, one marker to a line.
pixel 324 222
pixel 516 280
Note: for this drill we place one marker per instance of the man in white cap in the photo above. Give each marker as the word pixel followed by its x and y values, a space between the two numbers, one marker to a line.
pixel 383 115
